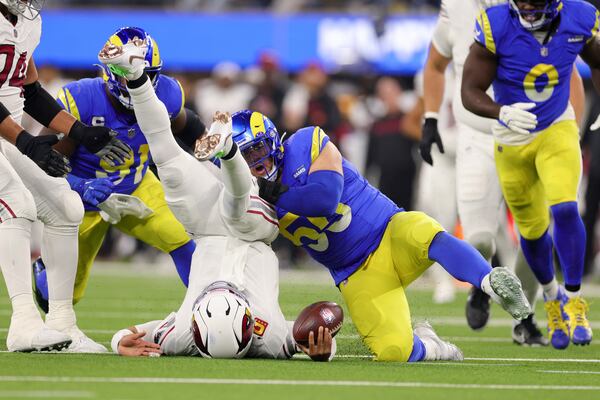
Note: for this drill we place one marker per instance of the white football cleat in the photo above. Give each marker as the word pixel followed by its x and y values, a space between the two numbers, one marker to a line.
pixel 35 336
pixel 127 61
pixel 506 290
pixel 217 142
pixel 436 349
pixel 83 344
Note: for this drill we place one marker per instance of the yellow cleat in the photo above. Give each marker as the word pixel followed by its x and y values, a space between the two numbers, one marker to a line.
pixel 579 327
pixel 558 331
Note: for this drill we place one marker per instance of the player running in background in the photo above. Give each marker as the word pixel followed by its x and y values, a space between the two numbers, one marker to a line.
pixel 372 248
pixel 27 193
pixel 230 224
pixel 478 190
pixel 106 102
pixel 526 49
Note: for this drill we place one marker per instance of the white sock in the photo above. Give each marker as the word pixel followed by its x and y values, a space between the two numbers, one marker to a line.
pixel 15 261
pixel 61 315
pixel 573 294
pixel 59 252
pixel 486 287
pixel 551 290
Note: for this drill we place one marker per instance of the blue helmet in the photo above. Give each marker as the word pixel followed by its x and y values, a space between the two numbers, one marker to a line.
pixel 117 86
pixel 543 13
pixel 258 140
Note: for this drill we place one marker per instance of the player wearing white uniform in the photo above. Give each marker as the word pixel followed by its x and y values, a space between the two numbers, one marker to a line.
pixel 221 211
pixel 27 192
pixel 478 191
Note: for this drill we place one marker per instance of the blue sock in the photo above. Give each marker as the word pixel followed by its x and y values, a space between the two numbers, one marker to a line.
pixel 182 257
pixel 41 280
pixel 538 253
pixel 569 240
pixel 460 259
pixel 418 350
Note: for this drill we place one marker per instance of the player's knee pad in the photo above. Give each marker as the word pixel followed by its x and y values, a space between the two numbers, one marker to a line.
pixel 485 244
pixel 63 208
pixel 391 348
pixel 18 204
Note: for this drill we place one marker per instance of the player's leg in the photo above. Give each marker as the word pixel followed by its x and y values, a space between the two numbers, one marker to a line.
pixel 379 309
pixel 524 195
pixel 27 330
pixel 161 229
pixel 61 211
pixel 559 165
pixel 91 235
pixel 479 199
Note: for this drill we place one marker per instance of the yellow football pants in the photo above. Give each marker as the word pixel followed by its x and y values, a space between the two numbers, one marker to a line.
pixel 160 230
pixel 540 174
pixel 375 292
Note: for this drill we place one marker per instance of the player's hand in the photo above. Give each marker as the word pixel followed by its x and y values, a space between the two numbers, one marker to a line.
pixel 596 125
pixel 270 191
pixel 321 349
pixel 431 135
pixel 516 118
pixel 95 191
pixel 39 149
pixel 101 141
pixel 134 346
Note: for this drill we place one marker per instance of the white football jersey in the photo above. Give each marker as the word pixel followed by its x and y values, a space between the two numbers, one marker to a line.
pixel 17 44
pixel 453 37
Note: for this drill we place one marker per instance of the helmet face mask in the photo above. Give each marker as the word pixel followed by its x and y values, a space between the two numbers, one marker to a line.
pixel 28 9
pixel 222 324
pixel 259 143
pixel 535 14
pixel 117 86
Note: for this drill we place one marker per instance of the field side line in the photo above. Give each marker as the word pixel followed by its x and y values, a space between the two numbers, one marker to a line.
pixel 276 382
pixel 565 360
pixel 569 372
pixel 34 394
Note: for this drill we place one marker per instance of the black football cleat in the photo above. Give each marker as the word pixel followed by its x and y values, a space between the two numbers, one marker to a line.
pixel 477 309
pixel 527 333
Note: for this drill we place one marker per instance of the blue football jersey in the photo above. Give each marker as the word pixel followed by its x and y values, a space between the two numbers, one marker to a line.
pixel 341 241
pixel 530 71
pixel 90 103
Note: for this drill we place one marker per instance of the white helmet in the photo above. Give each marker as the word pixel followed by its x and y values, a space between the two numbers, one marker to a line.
pixel 29 9
pixel 222 324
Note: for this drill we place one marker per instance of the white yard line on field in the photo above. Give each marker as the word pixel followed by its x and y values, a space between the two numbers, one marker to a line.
pixel 570 372
pixel 44 394
pixel 277 382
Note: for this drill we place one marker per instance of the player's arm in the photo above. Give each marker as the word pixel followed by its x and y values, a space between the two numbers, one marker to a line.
pixel 478 74
pixel 591 55
pixel 136 340
pixel 319 196
pixel 577 96
pixel 43 108
pixel 187 128
pixel 434 82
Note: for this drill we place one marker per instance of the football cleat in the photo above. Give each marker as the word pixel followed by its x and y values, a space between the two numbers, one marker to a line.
pixel 510 294
pixel 436 349
pixel 128 60
pixel 40 284
pixel 217 142
pixel 579 327
pixel 558 330
pixel 527 333
pixel 477 308
pixel 32 335
pixel 83 344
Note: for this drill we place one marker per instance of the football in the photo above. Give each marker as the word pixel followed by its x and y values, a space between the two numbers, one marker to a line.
pixel 323 313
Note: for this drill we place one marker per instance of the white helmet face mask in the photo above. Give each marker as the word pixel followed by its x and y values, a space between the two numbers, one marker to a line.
pixel 29 9
pixel 222 324
pixel 529 25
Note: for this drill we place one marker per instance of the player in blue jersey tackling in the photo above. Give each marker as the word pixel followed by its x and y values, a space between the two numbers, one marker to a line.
pixel 129 195
pixel 526 49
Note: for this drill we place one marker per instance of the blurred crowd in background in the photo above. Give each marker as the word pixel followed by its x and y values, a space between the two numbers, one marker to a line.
pixel 373 119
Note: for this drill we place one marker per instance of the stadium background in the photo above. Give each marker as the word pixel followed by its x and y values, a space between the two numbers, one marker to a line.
pixel 301 62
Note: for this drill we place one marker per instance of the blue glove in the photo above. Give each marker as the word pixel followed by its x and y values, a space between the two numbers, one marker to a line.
pixel 91 191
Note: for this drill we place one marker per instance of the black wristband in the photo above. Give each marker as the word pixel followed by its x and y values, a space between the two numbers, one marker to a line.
pixel 231 153
pixel 3 112
pixel 76 131
pixel 40 104
pixel 138 82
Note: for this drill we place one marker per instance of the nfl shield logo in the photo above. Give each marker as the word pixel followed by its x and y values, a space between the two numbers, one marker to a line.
pixel 131 133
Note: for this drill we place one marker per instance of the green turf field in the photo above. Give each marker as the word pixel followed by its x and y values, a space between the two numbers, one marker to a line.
pixel 494 367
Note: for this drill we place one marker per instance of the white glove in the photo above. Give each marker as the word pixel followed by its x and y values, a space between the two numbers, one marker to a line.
pixel 596 125
pixel 517 119
pixel 119 205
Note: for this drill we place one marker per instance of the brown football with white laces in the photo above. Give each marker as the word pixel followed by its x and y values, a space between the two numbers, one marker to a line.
pixel 323 313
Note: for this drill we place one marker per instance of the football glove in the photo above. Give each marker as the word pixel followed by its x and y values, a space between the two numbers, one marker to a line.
pixel 92 191
pixel 270 191
pixel 431 135
pixel 596 125
pixel 217 143
pixel 39 149
pixel 516 117
pixel 119 205
pixel 102 142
